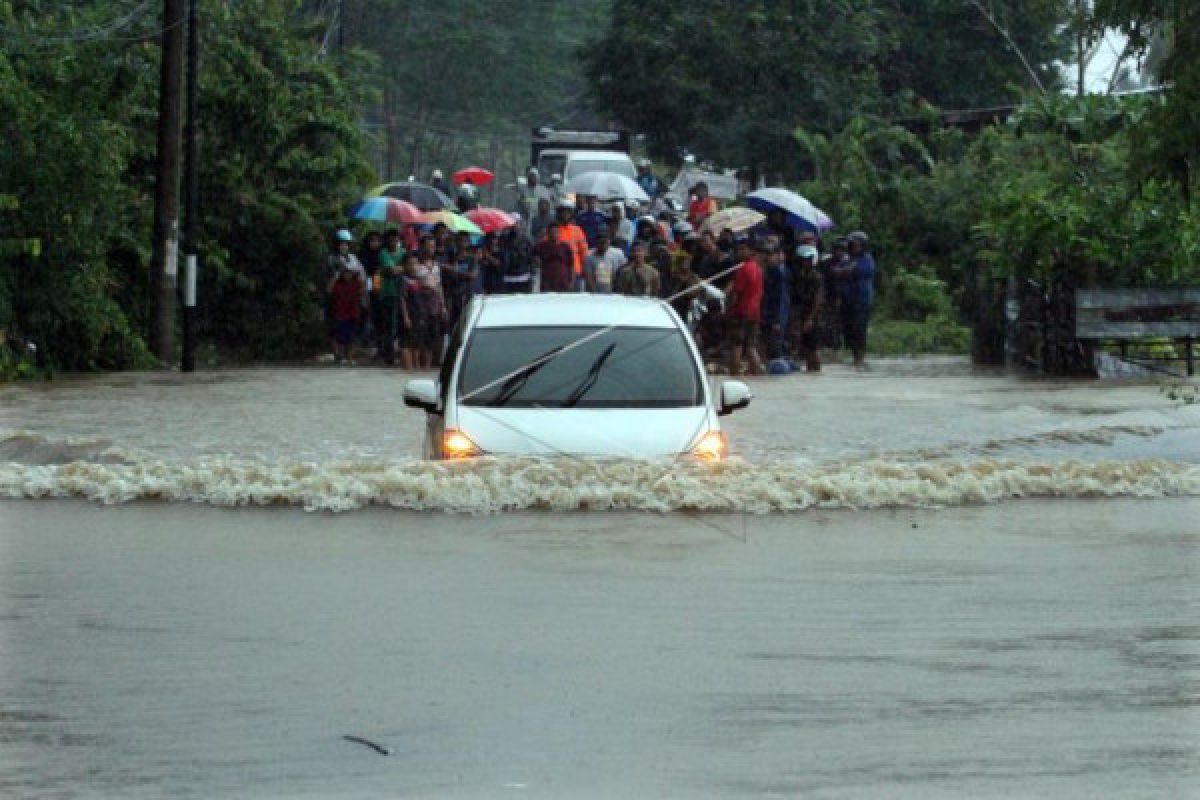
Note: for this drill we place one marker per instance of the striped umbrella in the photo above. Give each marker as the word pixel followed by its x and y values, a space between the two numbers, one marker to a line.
pixel 386 209
pixel 456 222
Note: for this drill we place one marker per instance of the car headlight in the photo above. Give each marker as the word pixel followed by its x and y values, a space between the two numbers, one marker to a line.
pixel 712 446
pixel 456 444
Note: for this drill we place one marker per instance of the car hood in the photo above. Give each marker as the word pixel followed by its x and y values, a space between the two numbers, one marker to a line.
pixel 612 432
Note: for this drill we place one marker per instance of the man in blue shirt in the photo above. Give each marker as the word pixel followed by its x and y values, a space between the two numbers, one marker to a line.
pixel 592 220
pixel 649 182
pixel 855 279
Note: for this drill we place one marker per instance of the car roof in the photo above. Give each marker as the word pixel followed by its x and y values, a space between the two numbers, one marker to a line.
pixel 574 309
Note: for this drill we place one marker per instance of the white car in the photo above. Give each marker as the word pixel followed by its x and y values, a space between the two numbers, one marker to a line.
pixel 573 374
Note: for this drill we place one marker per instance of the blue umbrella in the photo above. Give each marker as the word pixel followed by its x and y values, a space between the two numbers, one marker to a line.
pixel 800 213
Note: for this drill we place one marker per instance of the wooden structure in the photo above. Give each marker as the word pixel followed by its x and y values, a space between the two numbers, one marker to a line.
pixel 1132 318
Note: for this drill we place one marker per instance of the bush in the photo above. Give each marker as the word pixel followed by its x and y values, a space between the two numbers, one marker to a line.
pixel 936 335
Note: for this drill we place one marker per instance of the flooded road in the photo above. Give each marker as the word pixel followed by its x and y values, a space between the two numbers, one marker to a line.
pixel 1015 617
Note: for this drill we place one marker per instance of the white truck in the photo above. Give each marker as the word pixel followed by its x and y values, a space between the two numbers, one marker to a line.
pixel 570 153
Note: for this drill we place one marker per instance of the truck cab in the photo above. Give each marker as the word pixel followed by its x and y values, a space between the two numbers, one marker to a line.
pixel 570 153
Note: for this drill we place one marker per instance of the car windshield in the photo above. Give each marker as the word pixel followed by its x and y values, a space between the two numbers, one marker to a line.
pixel 537 367
pixel 619 166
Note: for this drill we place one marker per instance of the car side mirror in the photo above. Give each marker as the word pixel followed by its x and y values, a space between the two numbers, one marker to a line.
pixel 734 395
pixel 422 394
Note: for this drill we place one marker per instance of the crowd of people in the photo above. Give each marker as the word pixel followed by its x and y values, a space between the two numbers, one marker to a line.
pixel 764 299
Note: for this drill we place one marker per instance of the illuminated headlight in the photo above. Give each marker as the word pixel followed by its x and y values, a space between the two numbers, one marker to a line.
pixel 712 446
pixel 456 444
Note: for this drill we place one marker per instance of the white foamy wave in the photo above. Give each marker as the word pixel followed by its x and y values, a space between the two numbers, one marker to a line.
pixel 491 485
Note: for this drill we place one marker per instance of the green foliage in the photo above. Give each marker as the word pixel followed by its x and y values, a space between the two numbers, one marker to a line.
pixel 936 335
pixel 281 155
pixel 1169 138
pixel 731 81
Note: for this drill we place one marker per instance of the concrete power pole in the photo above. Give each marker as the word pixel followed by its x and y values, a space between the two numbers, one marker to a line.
pixel 164 265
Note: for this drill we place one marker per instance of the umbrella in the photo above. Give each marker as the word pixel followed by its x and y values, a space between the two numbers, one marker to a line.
pixel 491 220
pixel 607 186
pixel 421 195
pixel 824 222
pixel 456 222
pixel 736 218
pixel 385 209
pixel 476 175
pixel 800 213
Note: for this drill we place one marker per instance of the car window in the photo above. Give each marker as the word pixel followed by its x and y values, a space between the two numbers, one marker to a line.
pixel 582 165
pixel 619 367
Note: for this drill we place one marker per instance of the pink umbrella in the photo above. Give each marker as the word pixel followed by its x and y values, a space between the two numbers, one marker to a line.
pixel 491 220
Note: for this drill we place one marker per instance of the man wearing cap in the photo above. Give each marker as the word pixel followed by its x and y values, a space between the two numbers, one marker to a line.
pixel 649 182
pixel 529 197
pixel 437 181
pixel 744 309
pixel 808 294
pixel 573 237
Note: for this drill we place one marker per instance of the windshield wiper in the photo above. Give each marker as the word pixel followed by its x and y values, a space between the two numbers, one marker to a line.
pixel 519 378
pixel 589 380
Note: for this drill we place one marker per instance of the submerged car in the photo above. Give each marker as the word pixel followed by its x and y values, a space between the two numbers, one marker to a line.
pixel 573 374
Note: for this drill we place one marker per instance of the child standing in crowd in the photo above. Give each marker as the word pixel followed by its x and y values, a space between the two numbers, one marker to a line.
pixel 346 292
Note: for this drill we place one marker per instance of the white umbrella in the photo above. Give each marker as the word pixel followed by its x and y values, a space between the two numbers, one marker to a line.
pixel 800 212
pixel 607 186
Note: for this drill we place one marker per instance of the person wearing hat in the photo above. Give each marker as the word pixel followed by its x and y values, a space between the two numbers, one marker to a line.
pixel 346 293
pixel 529 196
pixel 437 181
pixel 573 237
pixel 855 281
pixel 808 295
pixel 743 313
pixel 650 183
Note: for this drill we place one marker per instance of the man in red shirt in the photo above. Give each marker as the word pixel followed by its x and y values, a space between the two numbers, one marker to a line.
pixel 553 259
pixel 702 207
pixel 743 313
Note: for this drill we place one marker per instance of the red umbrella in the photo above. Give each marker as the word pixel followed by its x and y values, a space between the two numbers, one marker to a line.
pixel 476 175
pixel 491 220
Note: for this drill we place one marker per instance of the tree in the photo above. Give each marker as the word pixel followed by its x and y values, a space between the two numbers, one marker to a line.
pixel 731 81
pixel 1169 143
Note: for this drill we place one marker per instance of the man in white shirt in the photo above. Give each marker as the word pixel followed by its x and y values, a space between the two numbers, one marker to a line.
pixel 601 265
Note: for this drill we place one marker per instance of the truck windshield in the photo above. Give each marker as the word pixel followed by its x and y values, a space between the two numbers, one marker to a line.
pixel 581 165
pixel 537 367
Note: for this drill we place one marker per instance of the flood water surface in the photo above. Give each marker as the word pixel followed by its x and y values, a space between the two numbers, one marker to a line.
pixel 915 582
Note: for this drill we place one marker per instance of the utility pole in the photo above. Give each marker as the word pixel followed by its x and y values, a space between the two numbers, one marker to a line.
pixel 191 215
pixel 164 264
